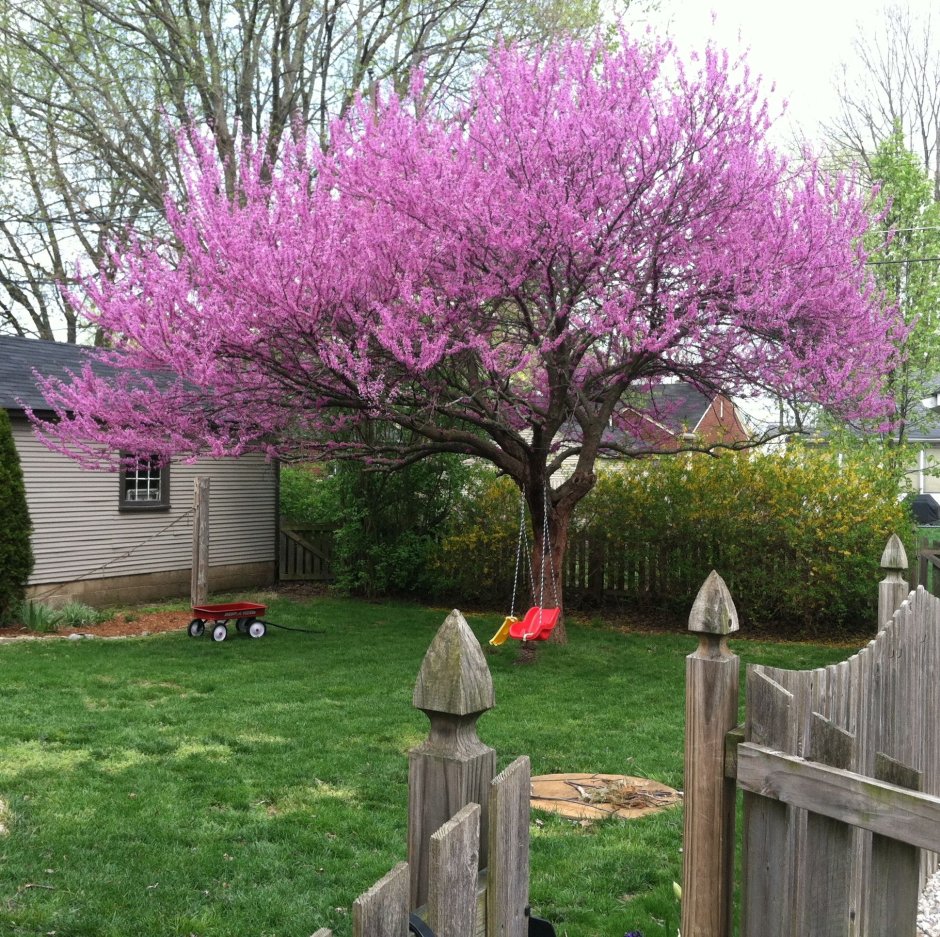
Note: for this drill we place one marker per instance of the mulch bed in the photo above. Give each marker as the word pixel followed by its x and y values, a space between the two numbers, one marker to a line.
pixel 117 627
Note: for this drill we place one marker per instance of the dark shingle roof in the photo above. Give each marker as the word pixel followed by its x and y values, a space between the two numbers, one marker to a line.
pixel 19 357
pixel 679 407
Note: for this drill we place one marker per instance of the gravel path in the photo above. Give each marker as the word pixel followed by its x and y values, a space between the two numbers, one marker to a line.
pixel 928 912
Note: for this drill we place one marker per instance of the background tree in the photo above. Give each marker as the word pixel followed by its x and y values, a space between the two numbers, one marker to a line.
pixel 893 82
pixel 88 91
pixel 511 283
pixel 16 554
pixel 905 247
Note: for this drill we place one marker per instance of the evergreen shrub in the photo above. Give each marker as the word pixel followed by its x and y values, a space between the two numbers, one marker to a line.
pixel 16 554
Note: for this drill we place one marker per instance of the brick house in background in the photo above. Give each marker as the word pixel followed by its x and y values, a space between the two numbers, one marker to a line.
pixel 677 413
pixel 674 416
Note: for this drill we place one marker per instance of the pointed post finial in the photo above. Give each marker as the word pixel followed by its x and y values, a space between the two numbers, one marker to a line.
pixel 454 677
pixel 894 555
pixel 894 588
pixel 713 611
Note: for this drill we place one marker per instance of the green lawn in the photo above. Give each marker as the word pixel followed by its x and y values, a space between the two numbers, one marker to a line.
pixel 170 786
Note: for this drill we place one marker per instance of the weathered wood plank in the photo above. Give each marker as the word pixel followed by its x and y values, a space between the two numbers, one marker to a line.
pixel 454 865
pixel 508 863
pixel 711 711
pixel 768 899
pixel 732 740
pixel 826 873
pixel 843 795
pixel 931 861
pixel 894 877
pixel 382 911
pixel 323 932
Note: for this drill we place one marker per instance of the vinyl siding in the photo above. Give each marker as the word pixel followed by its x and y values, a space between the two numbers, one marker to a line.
pixel 79 533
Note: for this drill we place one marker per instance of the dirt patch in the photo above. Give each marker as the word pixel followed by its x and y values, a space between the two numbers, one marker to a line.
pixel 597 796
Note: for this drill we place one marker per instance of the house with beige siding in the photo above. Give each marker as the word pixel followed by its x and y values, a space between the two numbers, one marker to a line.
pixel 109 538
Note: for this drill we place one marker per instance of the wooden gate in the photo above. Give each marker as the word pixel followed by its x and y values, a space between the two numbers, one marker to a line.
pixel 305 554
pixel 467 873
pixel 840 768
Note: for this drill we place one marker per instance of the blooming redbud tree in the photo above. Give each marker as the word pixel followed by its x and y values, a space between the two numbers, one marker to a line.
pixel 509 281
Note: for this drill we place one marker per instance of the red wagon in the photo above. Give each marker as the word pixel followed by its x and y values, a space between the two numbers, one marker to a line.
pixel 246 616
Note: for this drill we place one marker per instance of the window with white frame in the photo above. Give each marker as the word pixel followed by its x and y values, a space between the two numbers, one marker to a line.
pixel 145 486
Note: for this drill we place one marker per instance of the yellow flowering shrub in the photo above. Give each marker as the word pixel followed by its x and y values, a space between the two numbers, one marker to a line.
pixel 797 535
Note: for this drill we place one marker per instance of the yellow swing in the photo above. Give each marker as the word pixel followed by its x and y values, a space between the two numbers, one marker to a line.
pixel 502 633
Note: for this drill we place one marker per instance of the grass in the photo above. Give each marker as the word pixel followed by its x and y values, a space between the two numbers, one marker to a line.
pixel 170 786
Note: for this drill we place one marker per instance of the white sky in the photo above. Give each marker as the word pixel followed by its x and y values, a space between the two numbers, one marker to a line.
pixel 798 45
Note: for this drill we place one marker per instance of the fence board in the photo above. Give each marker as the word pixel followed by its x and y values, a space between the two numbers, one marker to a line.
pixel 382 911
pixel 826 873
pixel 894 881
pixel 932 739
pixel 454 861
pixel 508 863
pixel 843 795
pixel 768 832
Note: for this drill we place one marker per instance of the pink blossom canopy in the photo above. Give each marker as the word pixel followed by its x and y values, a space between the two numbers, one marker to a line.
pixel 494 282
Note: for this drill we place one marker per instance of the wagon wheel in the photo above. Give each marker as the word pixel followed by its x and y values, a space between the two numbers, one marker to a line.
pixel 196 627
pixel 219 632
pixel 241 624
pixel 257 629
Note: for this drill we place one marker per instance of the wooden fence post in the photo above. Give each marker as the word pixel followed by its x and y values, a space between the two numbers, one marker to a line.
pixel 711 711
pixel 199 585
pixel 894 588
pixel 452 768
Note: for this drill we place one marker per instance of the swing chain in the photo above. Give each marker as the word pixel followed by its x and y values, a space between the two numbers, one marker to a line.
pixel 515 578
pixel 546 552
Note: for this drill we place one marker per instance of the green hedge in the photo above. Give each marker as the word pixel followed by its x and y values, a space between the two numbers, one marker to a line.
pixel 797 535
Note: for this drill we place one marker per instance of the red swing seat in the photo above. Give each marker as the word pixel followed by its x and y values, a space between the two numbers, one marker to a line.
pixel 537 624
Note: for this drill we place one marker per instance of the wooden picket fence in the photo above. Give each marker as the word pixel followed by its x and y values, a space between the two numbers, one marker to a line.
pixel 467 873
pixel 840 769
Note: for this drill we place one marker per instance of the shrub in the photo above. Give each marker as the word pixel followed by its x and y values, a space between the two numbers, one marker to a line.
pixel 476 561
pixel 16 555
pixel 79 615
pixel 34 616
pixel 388 524
pixel 797 535
pixel 307 494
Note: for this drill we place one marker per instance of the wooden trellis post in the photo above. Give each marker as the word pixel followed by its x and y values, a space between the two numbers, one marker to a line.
pixel 199 585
